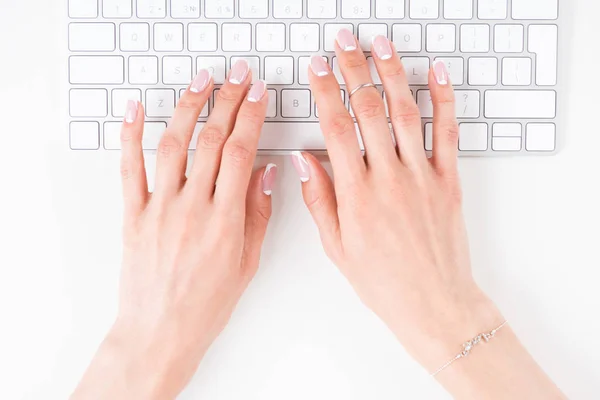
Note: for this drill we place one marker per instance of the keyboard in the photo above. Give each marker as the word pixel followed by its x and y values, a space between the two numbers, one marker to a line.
pixel 502 56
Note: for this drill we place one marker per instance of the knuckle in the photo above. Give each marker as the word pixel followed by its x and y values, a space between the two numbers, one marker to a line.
pixel 169 145
pixel 451 129
pixel 251 117
pixel 238 154
pixel 339 125
pixel 356 62
pixel 395 71
pixel 211 138
pixel 369 107
pixel 191 103
pixel 126 171
pixel 228 94
pixel 408 115
pixel 127 135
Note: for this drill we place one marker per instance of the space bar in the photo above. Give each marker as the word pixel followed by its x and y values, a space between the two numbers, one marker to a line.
pixel 290 136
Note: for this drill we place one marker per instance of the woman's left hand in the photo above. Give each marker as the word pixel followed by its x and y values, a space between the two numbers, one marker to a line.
pixel 192 246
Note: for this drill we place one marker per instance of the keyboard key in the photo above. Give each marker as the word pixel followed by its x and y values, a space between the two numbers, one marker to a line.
pixel 367 32
pixel 185 9
pixel 424 9
pixel 272 107
pixel 91 37
pixel 84 135
pixel 429 136
pixel 254 8
pixel 337 72
pixel 535 9
pixel 202 37
pixel 153 131
pixel 492 9
pixel 305 37
pixel 205 111
pixel 389 9
pixel 279 70
pixel 83 8
pixel 516 71
pixel 475 38
pixel 506 130
pixel 506 143
pixel 215 65
pixel 253 63
pixel 520 104
pixel 151 8
pixel 483 71
pixel 373 71
pixel 134 37
pixel 322 9
pixel 508 38
pixel 287 8
pixel 417 70
pixel 194 141
pixel 467 103
pixel 543 41
pixel 218 9
pixel 295 103
pixel 236 37
pixel 168 37
pixel 143 70
pixel 473 137
pixel 117 9
pixel 456 69
pixel 285 136
pixel 88 103
pixel 160 103
pixel 540 137
pixel 120 97
pixel 270 37
pixel 441 38
pixel 356 9
pixel 96 70
pixel 177 70
pixel 331 31
pixel 458 9
pixel 407 37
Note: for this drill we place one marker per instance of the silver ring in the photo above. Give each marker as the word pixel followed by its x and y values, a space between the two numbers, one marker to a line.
pixel 364 85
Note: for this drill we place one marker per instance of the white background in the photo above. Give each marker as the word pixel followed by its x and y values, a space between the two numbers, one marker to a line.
pixel 299 331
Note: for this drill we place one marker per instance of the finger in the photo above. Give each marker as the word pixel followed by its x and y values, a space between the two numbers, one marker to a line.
pixel 319 196
pixel 445 126
pixel 240 149
pixel 367 103
pixel 258 212
pixel 404 113
pixel 336 123
pixel 213 136
pixel 133 171
pixel 173 147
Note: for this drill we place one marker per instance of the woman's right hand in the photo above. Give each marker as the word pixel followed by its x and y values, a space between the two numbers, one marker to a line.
pixel 392 222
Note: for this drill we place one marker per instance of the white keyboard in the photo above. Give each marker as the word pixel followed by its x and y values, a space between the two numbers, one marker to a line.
pixel 502 56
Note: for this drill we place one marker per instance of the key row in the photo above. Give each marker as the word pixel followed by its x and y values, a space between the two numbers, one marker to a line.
pixel 303 37
pixel 473 137
pixel 316 9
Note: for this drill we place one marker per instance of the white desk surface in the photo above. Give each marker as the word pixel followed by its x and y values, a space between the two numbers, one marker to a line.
pixel 299 332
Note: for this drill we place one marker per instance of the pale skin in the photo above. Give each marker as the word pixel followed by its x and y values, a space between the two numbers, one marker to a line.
pixel 391 221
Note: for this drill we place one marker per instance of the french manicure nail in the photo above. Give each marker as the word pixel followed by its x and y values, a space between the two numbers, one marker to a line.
pixel 131 111
pixel 268 179
pixel 346 40
pixel 239 72
pixel 382 47
pixel 301 166
pixel 201 81
pixel 319 66
pixel 440 72
pixel 257 92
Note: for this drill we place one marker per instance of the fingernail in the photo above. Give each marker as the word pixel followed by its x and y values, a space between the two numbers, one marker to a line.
pixel 239 72
pixel 131 111
pixel 301 166
pixel 382 47
pixel 440 72
pixel 319 66
pixel 257 92
pixel 346 40
pixel 200 82
pixel 268 179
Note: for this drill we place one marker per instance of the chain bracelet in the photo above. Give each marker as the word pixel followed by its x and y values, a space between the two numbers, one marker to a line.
pixel 468 346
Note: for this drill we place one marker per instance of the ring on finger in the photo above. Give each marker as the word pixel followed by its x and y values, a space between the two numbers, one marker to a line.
pixel 359 87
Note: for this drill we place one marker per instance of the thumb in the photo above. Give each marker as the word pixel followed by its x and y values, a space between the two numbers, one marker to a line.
pixel 258 213
pixel 319 196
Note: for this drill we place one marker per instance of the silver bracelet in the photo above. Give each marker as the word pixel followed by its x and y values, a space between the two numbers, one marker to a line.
pixel 468 346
